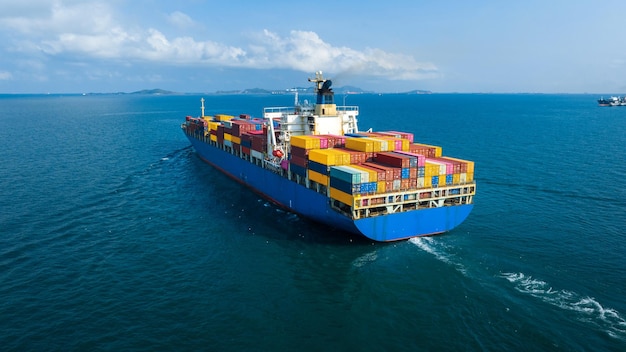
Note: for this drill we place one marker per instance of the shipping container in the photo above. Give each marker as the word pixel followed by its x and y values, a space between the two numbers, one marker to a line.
pixel 361 144
pixel 372 174
pixel 457 165
pixel 317 177
pixel 305 142
pixel 356 157
pixel 329 156
pixel 427 150
pixel 466 165
pixel 319 168
pixel 388 171
pixel 297 169
pixel 341 196
pixel 403 135
pixel 347 187
pixel 222 117
pixel 445 167
pixel 300 152
pixel 257 154
pixel 393 159
pixel 346 173
pixel 299 161
pixel 435 168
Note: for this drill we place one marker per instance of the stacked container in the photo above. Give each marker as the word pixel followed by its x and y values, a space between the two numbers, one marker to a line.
pixel 350 166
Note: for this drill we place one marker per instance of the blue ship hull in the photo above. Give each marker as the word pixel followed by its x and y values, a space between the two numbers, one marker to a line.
pixel 316 206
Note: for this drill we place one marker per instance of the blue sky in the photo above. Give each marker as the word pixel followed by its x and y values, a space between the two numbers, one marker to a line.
pixel 72 46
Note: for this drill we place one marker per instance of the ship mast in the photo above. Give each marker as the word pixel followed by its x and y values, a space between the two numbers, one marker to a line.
pixel 325 102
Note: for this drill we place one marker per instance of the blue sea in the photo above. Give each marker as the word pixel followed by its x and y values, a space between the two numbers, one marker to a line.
pixel 115 236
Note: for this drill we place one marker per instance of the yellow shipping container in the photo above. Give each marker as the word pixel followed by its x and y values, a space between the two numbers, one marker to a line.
pixel 341 157
pixel 442 180
pixel 360 144
pixel 431 169
pixel 406 145
pixel 380 187
pixel 377 145
pixel 305 142
pixel 428 181
pixel 341 196
pixel 228 137
pixel 213 125
pixel 236 139
pixel 456 179
pixel 442 167
pixel 317 177
pixel 322 156
pixel 222 117
pixel 214 138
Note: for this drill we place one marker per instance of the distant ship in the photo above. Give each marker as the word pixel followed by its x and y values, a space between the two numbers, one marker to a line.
pixel 613 101
pixel 311 159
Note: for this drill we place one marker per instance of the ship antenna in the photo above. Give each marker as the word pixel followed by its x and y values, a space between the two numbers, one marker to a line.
pixel 202 107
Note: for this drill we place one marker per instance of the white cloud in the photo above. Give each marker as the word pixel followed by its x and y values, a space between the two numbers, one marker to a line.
pixel 81 30
pixel 180 19
pixel 5 76
pixel 75 17
pixel 306 51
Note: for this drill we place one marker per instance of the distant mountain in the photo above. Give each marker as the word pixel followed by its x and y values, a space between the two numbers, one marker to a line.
pixel 307 90
pixel 154 92
pixel 245 91
pixel 418 91
pixel 350 90
pixel 256 91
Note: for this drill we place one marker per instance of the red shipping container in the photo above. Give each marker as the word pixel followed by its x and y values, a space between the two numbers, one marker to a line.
pixel 380 173
pixel 393 159
pixel 389 171
pixel 300 152
pixel 299 161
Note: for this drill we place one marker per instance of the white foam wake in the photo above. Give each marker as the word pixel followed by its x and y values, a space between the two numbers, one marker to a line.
pixel 439 250
pixel 365 259
pixel 589 309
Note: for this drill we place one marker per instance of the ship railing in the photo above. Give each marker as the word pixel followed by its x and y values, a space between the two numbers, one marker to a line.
pixel 348 108
pixel 273 166
pixel 278 111
pixel 389 203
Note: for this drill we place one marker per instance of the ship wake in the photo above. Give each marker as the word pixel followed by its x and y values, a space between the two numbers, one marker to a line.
pixel 440 251
pixel 588 308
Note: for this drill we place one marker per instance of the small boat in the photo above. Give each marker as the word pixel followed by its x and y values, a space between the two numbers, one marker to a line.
pixel 612 101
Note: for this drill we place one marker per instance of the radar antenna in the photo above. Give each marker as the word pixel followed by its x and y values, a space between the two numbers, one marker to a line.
pixel 321 84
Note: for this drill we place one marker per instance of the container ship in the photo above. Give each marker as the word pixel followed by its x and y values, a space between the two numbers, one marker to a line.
pixel 311 159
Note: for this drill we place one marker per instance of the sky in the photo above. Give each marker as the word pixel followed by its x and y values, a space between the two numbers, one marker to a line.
pixel 481 46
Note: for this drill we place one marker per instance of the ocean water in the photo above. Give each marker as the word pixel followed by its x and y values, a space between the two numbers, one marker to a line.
pixel 114 235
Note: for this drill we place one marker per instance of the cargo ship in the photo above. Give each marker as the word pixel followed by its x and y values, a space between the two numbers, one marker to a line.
pixel 311 159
